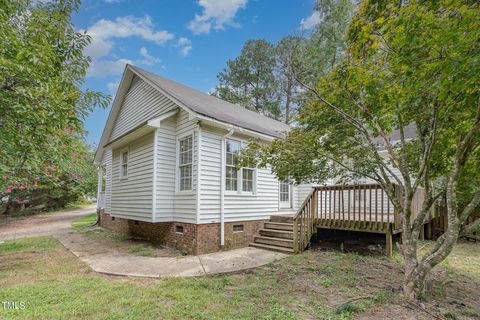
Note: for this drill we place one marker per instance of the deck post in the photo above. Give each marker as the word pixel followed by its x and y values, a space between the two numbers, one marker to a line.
pixel 421 236
pixel 429 230
pixel 295 237
pixel 389 242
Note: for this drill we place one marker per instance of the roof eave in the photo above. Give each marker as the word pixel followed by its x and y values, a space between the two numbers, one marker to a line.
pixel 223 124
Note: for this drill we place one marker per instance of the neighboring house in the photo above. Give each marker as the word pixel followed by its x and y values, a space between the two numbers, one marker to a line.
pixel 167 169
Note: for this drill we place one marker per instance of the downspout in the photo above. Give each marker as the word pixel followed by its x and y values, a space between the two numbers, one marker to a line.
pixel 99 190
pixel 99 184
pixel 222 188
pixel 154 184
pixel 199 168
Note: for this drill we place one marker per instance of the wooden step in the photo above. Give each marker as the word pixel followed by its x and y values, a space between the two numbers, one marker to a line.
pixel 272 248
pixel 276 233
pixel 281 219
pixel 279 226
pixel 279 242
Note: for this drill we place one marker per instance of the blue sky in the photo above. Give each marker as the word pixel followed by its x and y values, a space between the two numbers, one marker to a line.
pixel 188 41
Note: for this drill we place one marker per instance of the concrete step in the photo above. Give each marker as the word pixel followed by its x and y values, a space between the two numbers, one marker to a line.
pixel 276 233
pixel 281 219
pixel 279 242
pixel 272 248
pixel 279 226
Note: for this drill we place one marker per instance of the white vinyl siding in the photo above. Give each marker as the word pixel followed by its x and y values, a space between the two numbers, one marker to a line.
pixel 141 103
pixel 132 197
pixel 166 161
pixel 172 204
pixel 124 164
pixel 185 202
pixel 107 162
pixel 238 206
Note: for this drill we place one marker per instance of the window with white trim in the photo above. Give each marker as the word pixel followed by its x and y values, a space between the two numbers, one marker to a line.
pixel 231 171
pixel 185 163
pixel 124 167
pixel 237 179
pixel 247 179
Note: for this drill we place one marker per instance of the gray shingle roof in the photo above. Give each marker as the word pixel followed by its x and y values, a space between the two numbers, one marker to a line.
pixel 215 108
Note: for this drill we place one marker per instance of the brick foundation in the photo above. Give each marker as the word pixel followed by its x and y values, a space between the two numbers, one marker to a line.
pixel 195 239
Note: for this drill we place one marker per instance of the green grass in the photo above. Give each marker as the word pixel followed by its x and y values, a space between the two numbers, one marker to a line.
pixel 54 284
pixel 84 222
pixel 36 243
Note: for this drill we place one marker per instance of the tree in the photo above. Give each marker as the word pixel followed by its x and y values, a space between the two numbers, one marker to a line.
pixel 288 88
pixel 325 47
pixel 408 63
pixel 261 78
pixel 42 104
pixel 249 79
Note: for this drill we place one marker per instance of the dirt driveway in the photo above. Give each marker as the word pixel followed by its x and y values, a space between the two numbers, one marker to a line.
pixel 52 223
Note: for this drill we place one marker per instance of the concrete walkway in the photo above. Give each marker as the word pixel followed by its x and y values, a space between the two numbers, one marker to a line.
pixel 108 261
pixel 156 267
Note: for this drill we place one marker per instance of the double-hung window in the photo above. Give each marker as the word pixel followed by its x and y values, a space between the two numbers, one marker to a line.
pixel 124 167
pixel 231 178
pixel 185 163
pixel 237 179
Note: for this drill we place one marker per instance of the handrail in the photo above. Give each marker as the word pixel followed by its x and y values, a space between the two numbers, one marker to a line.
pixel 304 222
pixel 299 211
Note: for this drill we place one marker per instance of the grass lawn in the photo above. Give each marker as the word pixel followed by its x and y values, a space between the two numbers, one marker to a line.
pixel 54 284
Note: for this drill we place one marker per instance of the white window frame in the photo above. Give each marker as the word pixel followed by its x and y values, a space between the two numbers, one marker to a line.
pixel 239 190
pixel 178 179
pixel 122 164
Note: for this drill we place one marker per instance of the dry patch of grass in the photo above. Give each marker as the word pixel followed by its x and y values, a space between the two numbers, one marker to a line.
pixel 315 285
pixel 112 241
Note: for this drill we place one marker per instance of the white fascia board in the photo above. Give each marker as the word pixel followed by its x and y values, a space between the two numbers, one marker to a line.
pixel 237 129
pixel 112 115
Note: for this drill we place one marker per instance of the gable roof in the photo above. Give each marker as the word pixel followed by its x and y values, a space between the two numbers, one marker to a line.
pixel 215 108
pixel 195 102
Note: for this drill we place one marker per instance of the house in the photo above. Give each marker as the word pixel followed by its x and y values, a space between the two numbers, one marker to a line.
pixel 167 170
pixel 167 173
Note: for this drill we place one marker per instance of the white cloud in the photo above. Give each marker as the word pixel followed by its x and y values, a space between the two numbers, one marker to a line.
pixel 112 87
pixel 311 21
pixel 148 59
pixel 104 31
pixel 112 1
pixel 105 68
pixel 216 14
pixel 185 46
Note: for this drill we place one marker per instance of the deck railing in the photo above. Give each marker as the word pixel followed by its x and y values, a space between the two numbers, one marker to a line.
pixel 304 222
pixel 360 207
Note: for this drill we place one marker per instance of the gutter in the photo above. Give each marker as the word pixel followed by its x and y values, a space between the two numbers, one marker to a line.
pixel 222 188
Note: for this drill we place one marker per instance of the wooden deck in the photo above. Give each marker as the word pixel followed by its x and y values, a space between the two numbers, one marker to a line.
pixel 364 208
